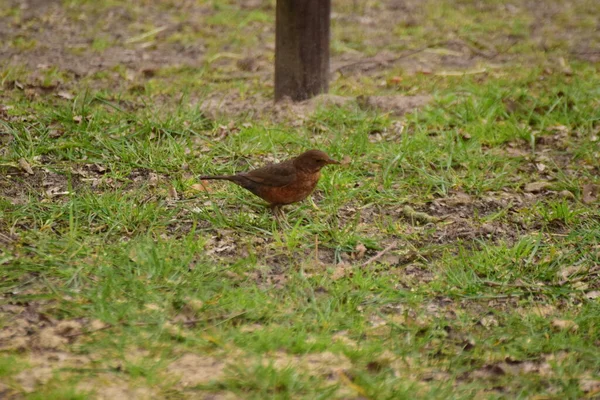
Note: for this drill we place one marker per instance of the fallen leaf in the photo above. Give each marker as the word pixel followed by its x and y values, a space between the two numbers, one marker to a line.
pixel 340 271
pixel 346 160
pixel 516 151
pixel 544 310
pixel 590 193
pixel 488 321
pixel 390 259
pixel 221 249
pixel 173 193
pixel 232 275
pixel 251 328
pixel 458 199
pixel 465 136
pixel 25 166
pixel 175 330
pixel 77 119
pixel 566 272
pixel 152 307
pixel 152 179
pixel 566 69
pixel 193 305
pixel 535 187
pixel 201 187
pixel 359 251
pixel 379 327
pixel 558 128
pixel 98 168
pixel 540 167
pixel 566 194
pixel 594 294
pixel 565 325
pixel 65 95
pixel 580 285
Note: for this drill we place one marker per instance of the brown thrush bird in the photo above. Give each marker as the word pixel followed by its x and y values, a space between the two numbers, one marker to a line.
pixel 284 183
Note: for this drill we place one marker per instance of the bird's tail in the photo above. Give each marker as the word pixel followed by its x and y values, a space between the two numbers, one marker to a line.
pixel 222 177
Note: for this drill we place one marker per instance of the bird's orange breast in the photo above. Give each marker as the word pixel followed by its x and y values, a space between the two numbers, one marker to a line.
pixel 298 190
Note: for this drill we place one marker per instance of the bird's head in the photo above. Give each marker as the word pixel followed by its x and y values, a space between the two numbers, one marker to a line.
pixel 313 161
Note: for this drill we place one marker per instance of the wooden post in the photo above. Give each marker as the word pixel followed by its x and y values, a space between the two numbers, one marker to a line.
pixel 302 48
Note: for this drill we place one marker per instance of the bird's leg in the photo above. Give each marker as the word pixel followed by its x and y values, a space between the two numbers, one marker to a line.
pixel 275 210
pixel 279 214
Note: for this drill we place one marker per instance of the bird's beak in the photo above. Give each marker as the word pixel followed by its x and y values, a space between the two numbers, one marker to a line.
pixel 332 161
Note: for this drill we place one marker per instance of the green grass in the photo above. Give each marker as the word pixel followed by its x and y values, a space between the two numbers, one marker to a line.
pixel 493 294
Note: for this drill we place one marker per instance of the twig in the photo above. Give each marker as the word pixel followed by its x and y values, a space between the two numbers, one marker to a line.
pixel 492 296
pixel 513 285
pixel 378 255
pixel 462 73
pixel 145 35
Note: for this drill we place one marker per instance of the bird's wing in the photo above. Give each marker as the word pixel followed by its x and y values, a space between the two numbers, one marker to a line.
pixel 275 175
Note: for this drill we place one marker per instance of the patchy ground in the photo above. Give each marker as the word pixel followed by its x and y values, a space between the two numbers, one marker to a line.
pixel 453 254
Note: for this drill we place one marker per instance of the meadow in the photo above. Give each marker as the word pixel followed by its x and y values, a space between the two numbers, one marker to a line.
pixel 455 253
